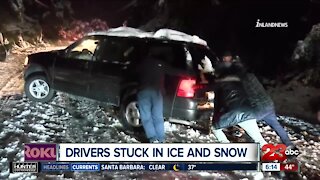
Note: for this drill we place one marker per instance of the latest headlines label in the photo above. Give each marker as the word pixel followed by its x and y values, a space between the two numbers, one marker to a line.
pixel 55 167
pixel 243 152
pixel 88 167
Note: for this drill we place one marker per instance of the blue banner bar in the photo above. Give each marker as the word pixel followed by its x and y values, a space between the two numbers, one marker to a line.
pixel 94 167
pixel 88 167
pixel 56 167
pixel 180 166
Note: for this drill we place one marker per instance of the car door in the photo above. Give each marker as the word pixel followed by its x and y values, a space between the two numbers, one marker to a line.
pixel 72 68
pixel 174 56
pixel 110 68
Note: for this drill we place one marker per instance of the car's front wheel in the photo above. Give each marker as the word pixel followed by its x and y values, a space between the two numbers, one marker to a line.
pixel 37 88
pixel 130 116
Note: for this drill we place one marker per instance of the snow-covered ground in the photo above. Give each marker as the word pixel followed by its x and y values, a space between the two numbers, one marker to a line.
pixel 67 119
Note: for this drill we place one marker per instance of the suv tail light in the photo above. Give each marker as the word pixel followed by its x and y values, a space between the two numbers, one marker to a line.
pixel 186 87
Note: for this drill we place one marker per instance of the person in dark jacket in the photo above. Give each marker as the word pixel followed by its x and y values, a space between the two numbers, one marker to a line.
pixel 152 71
pixel 232 101
pixel 259 100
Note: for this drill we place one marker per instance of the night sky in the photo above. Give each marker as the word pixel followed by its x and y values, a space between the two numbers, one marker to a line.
pixel 228 26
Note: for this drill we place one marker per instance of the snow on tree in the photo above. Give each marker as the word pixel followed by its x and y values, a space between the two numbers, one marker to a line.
pixel 307 53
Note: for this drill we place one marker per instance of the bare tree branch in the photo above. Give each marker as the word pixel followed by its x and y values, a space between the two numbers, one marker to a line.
pixel 128 5
pixel 42 4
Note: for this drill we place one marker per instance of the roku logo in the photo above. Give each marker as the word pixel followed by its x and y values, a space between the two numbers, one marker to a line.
pixel 40 152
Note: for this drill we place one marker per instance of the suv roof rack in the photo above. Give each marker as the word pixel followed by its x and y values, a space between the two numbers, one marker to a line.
pixel 167 34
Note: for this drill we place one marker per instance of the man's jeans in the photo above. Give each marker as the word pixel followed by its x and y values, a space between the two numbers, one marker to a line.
pixel 270 118
pixel 234 117
pixel 151 112
pixel 251 128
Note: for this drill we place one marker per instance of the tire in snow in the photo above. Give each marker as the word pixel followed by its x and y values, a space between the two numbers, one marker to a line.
pixel 37 88
pixel 129 114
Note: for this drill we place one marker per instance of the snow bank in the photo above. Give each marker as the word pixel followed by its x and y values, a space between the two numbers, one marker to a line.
pixel 67 120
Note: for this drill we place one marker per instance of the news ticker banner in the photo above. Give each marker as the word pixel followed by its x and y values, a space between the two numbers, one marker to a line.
pixel 35 167
pixel 143 152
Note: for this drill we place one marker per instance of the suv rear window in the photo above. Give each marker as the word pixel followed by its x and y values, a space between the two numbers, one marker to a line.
pixel 196 53
pixel 173 54
pixel 199 52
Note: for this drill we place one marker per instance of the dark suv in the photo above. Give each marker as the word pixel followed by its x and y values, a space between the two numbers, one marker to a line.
pixel 102 66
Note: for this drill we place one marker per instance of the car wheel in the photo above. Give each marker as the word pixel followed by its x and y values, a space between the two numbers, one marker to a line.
pixel 130 116
pixel 37 88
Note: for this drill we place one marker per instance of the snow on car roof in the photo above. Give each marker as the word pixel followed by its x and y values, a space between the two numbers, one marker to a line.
pixel 178 36
pixel 124 32
pixel 166 34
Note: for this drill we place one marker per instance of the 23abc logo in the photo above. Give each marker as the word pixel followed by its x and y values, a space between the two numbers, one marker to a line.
pixel 277 152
